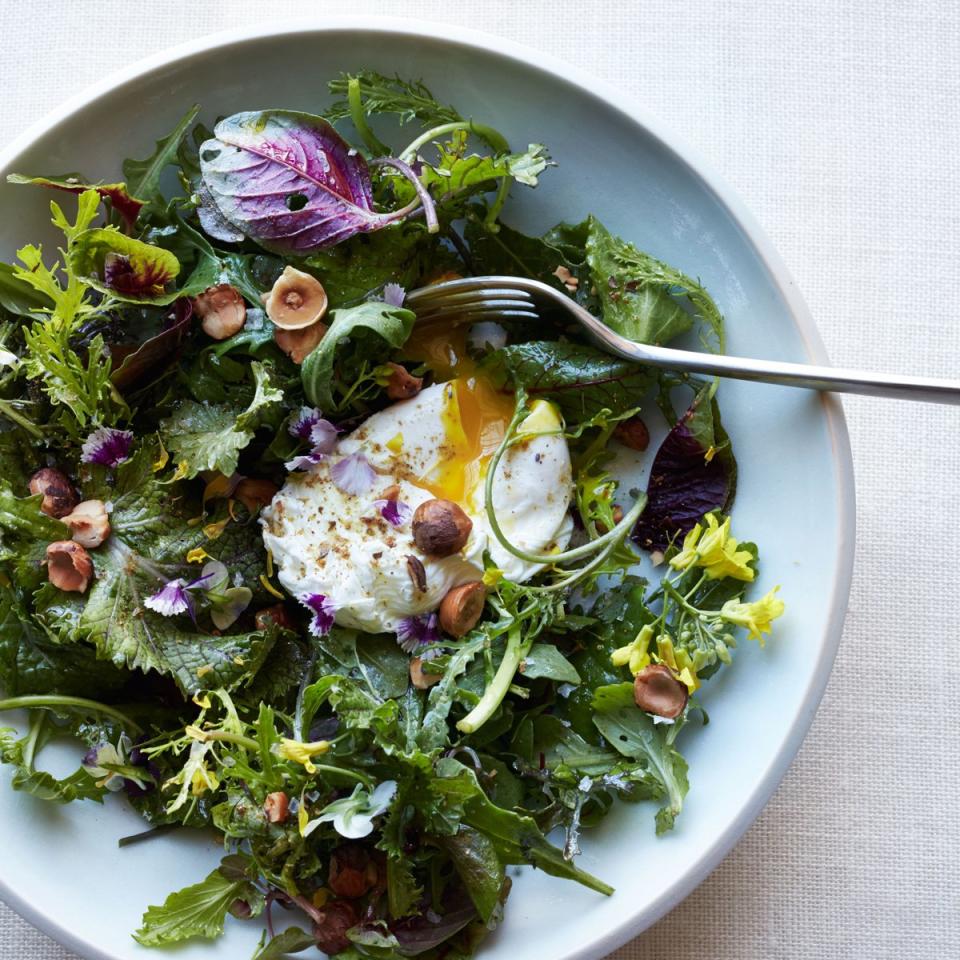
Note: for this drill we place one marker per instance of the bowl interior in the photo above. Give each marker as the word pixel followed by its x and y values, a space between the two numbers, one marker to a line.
pixel 61 866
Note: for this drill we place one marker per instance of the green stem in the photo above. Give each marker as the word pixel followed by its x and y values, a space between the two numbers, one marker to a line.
pixel 224 736
pixel 498 687
pixel 54 702
pixel 7 410
pixel 359 117
pixel 351 774
pixel 680 599
pixel 493 137
pixel 33 738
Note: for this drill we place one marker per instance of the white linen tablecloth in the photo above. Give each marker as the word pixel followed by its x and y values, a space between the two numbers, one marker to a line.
pixel 839 124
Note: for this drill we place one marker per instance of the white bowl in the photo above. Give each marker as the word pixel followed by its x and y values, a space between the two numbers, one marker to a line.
pixel 61 867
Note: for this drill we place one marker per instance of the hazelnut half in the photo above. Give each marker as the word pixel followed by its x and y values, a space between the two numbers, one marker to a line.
pixel 276 806
pixel 461 608
pixel 296 300
pixel 254 494
pixel 440 528
pixel 420 675
pixel 633 433
pixel 69 566
pixel 222 310
pixel 656 690
pixel 402 384
pixel 59 497
pixel 352 872
pixel 89 524
pixel 330 926
pixel 299 344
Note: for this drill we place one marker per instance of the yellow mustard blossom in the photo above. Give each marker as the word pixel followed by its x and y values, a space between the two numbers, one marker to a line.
pixel 302 752
pixel 203 779
pixel 163 458
pixel 303 816
pixel 714 551
pixel 636 655
pixel 756 616
pixel 197 555
pixel 183 468
pixel 679 662
pixel 491 577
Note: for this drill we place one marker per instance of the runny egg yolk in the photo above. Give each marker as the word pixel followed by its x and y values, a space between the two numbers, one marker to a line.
pixel 475 414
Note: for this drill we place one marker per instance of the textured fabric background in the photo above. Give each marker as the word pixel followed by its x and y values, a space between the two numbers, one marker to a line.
pixel 839 123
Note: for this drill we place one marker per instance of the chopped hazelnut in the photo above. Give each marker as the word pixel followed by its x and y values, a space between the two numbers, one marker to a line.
pixel 420 675
pixel 440 528
pixel 276 806
pixel 296 300
pixel 273 616
pixel 633 433
pixel 402 384
pixel 351 873
pixel 417 572
pixel 299 344
pixel 331 924
pixel 391 493
pixel 656 690
pixel 59 497
pixel 89 524
pixel 222 310
pixel 461 608
pixel 69 566
pixel 254 494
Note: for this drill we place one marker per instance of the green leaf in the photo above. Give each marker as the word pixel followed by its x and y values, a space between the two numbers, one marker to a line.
pixel 38 783
pixel 19 297
pixel 143 176
pixel 292 940
pixel 25 532
pixel 403 891
pixel 358 339
pixel 630 731
pixel 581 380
pixel 457 172
pixel 407 100
pixel 210 436
pixel 141 272
pixel 474 856
pixel 545 660
pixel 196 911
pixel 643 298
pixel 120 199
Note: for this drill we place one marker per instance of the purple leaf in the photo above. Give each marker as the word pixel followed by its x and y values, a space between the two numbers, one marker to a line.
pixel 693 473
pixel 289 181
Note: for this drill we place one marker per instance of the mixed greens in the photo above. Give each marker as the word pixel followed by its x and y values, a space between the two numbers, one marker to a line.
pixel 153 398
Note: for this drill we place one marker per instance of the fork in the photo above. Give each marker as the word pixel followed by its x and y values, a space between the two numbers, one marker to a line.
pixel 514 298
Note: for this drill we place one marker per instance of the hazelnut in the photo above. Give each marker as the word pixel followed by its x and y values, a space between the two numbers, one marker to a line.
pixel 420 675
pixel 276 806
pixel 461 608
pixel 656 690
pixel 440 528
pixel 89 524
pixel 254 494
pixel 222 310
pixel 633 433
pixel 275 616
pixel 417 572
pixel 296 300
pixel 330 926
pixel 59 497
pixel 299 344
pixel 402 384
pixel 69 566
pixel 351 873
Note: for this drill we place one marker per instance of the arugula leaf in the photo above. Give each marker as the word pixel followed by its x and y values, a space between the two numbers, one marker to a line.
pixel 631 731
pixel 545 660
pixel 408 100
pixel 210 436
pixel 581 380
pixel 358 339
pixel 38 783
pixel 143 176
pixel 197 911
pixel 403 891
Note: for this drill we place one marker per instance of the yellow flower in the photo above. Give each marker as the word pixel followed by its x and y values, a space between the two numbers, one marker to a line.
pixel 636 655
pixel 688 556
pixel 755 616
pixel 203 780
pixel 491 577
pixel 715 551
pixel 302 752
pixel 679 662
pixel 197 555
pixel 303 817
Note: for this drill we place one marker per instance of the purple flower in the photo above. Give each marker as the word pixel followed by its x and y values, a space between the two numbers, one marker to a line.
pixel 353 474
pixel 414 632
pixel 323 436
pixel 306 461
pixel 174 597
pixel 107 446
pixel 395 512
pixel 394 294
pixel 323 613
pixel 303 424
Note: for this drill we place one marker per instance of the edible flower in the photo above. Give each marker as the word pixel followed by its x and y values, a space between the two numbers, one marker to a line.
pixel 323 611
pixel 112 766
pixel 394 294
pixel 714 551
pixel 756 616
pixel 305 461
pixel 636 655
pixel 353 474
pixel 174 596
pixel 679 662
pixel 302 753
pixel 107 447
pixel 353 816
pixel 413 632
pixel 226 602
pixel 395 512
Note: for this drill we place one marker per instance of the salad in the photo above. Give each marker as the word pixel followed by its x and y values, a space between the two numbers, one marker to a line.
pixel 356 592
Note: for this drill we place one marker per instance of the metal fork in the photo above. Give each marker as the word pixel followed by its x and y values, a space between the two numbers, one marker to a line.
pixel 514 298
